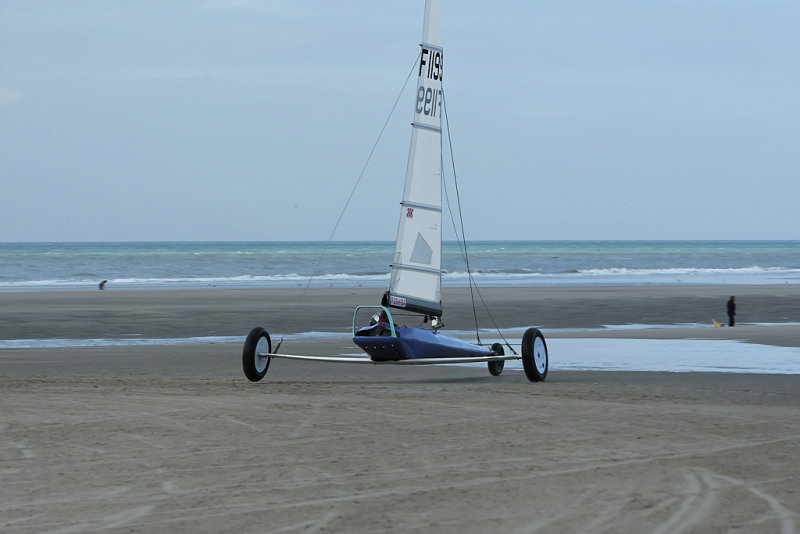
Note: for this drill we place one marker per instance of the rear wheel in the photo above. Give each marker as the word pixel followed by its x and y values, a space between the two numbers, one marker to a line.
pixel 255 361
pixel 496 366
pixel 534 355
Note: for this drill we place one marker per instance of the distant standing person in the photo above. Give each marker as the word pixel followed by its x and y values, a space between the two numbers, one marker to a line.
pixel 103 284
pixel 731 310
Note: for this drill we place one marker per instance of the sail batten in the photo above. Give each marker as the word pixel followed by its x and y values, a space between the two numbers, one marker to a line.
pixel 421 206
pixel 416 280
pixel 427 127
pixel 414 268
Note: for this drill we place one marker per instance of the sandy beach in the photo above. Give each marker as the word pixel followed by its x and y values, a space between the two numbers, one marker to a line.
pixel 174 438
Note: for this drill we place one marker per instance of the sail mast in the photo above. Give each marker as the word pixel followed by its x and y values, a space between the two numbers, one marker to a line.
pixel 416 278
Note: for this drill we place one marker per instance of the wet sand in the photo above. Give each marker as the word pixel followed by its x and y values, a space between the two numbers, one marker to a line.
pixel 218 312
pixel 174 438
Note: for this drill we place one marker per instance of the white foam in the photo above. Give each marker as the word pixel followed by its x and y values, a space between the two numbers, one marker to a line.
pixel 753 275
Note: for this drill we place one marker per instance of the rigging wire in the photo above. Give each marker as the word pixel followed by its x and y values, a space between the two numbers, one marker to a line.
pixel 463 237
pixel 464 251
pixel 349 198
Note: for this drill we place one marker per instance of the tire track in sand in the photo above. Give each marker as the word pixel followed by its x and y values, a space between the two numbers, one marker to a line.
pixel 701 494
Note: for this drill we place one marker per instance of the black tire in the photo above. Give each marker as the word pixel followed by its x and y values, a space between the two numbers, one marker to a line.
pixel 534 355
pixel 257 342
pixel 496 366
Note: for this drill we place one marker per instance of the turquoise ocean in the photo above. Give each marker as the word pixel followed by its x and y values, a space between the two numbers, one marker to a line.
pixel 192 265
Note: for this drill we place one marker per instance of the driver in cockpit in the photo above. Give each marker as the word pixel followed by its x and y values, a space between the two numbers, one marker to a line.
pixel 378 326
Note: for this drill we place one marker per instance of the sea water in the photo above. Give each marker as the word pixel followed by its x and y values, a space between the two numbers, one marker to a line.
pixel 191 265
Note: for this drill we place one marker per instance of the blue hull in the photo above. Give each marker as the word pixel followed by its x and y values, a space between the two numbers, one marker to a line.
pixel 415 343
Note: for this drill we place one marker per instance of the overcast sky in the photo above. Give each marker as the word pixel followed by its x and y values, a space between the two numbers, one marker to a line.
pixel 251 120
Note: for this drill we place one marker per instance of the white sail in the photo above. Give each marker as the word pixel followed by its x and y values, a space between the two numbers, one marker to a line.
pixel 416 279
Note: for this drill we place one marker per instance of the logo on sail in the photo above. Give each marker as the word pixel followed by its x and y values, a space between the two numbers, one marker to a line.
pixel 410 212
pixel 399 302
pixel 431 62
pixel 429 90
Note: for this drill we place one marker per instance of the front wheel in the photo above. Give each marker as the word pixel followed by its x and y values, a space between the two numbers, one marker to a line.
pixel 534 355
pixel 496 366
pixel 254 355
